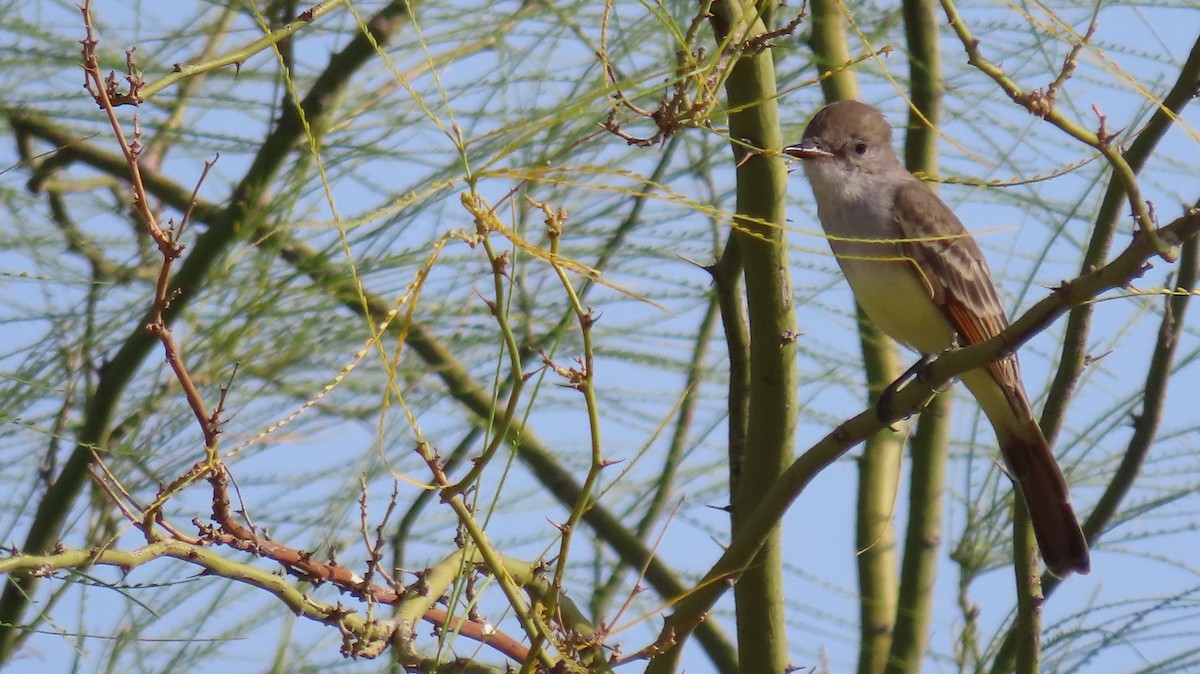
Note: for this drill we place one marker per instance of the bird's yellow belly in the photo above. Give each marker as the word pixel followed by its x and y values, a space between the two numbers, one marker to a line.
pixel 894 297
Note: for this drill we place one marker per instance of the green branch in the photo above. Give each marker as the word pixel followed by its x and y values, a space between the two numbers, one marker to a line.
pixel 879 465
pixel 692 610
pixel 1074 352
pixel 1041 104
pixel 238 56
pixel 930 447
pixel 760 226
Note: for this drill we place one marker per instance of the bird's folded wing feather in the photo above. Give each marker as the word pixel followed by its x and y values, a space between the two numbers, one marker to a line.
pixel 953 269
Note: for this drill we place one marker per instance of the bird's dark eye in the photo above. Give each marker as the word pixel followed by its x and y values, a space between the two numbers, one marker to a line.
pixel 860 149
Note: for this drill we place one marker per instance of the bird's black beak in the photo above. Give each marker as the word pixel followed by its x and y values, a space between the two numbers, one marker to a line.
pixel 806 151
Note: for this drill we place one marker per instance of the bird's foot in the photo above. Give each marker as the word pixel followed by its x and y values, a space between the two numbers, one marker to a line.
pixel 883 406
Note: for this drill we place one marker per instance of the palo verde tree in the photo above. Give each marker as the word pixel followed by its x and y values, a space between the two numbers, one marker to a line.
pixel 484 337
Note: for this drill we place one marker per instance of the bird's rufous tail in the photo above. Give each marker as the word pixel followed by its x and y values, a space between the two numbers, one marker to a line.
pixel 1032 466
pixel 1059 537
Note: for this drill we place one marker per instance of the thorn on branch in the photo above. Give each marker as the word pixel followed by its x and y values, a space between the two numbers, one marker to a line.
pixel 589 318
pixel 214 421
pixel 1103 135
pixel 490 304
pixel 748 149
pixel 500 266
pixel 758 43
pixel 1089 359
pixel 419 586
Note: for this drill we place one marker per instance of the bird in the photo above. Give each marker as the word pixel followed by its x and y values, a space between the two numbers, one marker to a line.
pixel 923 280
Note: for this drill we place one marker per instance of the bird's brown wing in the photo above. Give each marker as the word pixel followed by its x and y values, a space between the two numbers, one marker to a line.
pixel 957 277
pixel 953 270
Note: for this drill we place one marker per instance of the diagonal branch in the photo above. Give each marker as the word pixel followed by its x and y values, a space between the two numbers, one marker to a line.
pixel 692 610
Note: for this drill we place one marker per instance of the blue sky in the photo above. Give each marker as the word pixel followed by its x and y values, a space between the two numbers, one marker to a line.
pixel 1028 245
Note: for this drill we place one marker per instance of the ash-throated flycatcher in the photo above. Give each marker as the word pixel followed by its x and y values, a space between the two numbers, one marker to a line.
pixel 923 280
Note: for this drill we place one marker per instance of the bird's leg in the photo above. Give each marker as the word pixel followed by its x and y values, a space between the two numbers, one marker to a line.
pixel 883 406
